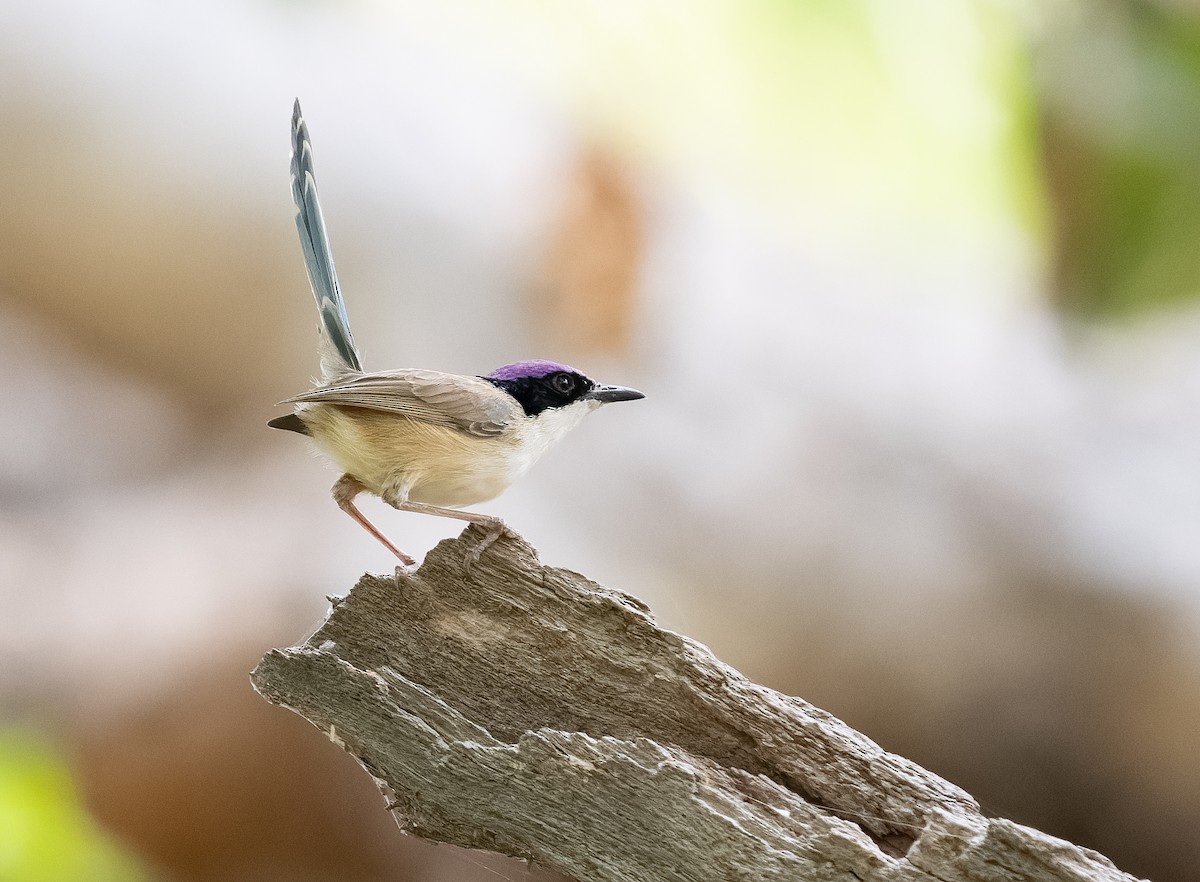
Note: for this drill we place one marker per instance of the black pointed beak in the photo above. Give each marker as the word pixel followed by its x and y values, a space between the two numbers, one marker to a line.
pixel 614 393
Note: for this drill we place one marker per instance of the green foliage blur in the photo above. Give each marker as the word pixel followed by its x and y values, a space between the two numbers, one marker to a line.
pixel 1075 122
pixel 45 833
pixel 1119 84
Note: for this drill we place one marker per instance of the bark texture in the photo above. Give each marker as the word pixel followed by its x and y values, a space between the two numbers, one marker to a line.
pixel 509 706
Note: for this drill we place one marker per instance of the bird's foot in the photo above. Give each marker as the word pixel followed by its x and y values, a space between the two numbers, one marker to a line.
pixel 404 572
pixel 495 529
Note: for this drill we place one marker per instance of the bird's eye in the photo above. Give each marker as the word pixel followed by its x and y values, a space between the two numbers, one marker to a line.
pixel 563 383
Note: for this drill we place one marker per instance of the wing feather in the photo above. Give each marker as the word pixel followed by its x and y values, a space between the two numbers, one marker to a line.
pixel 467 403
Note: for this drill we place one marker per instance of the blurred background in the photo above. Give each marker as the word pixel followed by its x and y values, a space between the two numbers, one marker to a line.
pixel 913 289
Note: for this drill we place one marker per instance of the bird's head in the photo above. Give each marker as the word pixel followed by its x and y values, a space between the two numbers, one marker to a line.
pixel 539 386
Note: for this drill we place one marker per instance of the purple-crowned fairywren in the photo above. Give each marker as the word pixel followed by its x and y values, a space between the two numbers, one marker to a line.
pixel 421 440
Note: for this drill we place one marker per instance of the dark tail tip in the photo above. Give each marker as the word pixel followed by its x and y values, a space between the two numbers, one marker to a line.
pixel 290 422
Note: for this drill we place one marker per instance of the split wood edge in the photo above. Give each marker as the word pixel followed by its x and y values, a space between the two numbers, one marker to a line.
pixel 505 705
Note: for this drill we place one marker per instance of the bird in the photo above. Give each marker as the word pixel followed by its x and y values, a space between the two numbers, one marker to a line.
pixel 421 440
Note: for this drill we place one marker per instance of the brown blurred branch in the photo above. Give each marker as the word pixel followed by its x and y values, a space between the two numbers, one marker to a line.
pixel 519 708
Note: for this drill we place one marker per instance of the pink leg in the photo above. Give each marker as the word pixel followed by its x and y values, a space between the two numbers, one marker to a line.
pixel 473 517
pixel 496 527
pixel 344 492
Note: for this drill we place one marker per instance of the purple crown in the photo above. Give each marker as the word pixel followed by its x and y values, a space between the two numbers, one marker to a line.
pixel 524 369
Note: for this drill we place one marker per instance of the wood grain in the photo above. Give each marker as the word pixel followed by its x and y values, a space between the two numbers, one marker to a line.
pixel 505 705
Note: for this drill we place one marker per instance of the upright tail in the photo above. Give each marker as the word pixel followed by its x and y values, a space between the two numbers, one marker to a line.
pixel 339 356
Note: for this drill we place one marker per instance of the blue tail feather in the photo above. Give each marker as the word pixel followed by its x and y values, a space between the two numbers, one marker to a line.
pixel 340 355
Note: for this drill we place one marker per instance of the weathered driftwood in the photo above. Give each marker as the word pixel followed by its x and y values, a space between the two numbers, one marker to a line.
pixel 523 709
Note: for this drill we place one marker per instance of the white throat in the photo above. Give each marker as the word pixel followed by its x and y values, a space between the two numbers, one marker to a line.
pixel 538 434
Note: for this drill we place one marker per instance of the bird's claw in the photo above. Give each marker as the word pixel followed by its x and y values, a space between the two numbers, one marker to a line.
pixel 495 529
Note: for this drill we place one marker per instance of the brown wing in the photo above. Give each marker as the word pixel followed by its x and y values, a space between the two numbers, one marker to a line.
pixel 467 403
